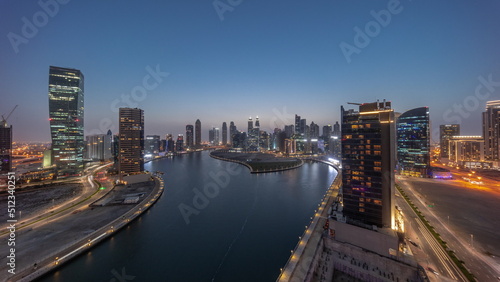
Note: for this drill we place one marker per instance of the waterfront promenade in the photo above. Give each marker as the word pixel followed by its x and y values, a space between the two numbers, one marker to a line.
pixel 302 257
pixel 258 162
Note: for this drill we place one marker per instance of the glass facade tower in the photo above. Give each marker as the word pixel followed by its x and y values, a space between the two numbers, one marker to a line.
pixel 66 119
pixel 414 142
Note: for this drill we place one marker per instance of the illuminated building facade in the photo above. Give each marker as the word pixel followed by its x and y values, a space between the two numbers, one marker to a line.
pixel 179 144
pixel 131 142
pixel 466 151
pixel 99 146
pixel 446 131
pixel 66 97
pixel 413 142
pixel 5 147
pixel 152 146
pixel 368 146
pixel 491 131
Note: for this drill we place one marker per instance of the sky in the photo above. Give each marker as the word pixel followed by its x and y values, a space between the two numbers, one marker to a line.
pixel 226 60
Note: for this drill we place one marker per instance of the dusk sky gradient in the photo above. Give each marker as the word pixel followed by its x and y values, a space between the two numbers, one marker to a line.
pixel 262 58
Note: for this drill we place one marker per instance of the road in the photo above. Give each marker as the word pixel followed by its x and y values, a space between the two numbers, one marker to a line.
pixel 439 200
pixel 55 212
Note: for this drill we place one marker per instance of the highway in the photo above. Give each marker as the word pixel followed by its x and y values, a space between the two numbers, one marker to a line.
pixel 458 235
pixel 428 253
pixel 54 212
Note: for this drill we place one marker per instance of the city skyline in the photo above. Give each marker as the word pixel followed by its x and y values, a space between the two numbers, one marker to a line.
pixel 209 66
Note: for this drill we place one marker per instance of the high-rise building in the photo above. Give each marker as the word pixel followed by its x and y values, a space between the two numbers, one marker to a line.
pixel 368 147
pixel 216 136
pixel 313 130
pixel 413 142
pixel 189 136
pixel 297 124
pixel 66 112
pixel 179 144
pixel 99 146
pixel 232 131
pixel 257 122
pixel 289 130
pixel 304 128
pixel 224 133
pixel 491 131
pixel 131 145
pixel 211 136
pixel 5 147
pixel 336 129
pixel 197 126
pixel 152 146
pixel 446 131
pixel 327 131
pixel 250 125
pixel 170 143
pixel 466 151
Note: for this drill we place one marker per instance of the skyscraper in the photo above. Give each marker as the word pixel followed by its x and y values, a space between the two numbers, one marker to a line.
pixel 368 142
pixel 413 142
pixel 336 129
pixel 66 112
pixel 250 125
pixel 216 136
pixel 257 122
pixel 131 140
pixel 152 146
pixel 224 133
pixel 327 131
pixel 297 124
pixel 491 131
pixel 232 131
pixel 179 144
pixel 197 134
pixel 446 131
pixel 189 136
pixel 99 146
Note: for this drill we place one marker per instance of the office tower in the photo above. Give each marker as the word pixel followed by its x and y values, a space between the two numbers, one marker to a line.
pixel 304 128
pixel 115 148
pixel 131 133
pixel 336 129
pixel 491 131
pixel 232 131
pixel 257 122
pixel 163 145
pixel 66 97
pixel 152 146
pixel 445 133
pixel 368 147
pixel 170 143
pixel 179 145
pixel 216 136
pixel 289 129
pixel 5 147
pixel 413 142
pixel 335 146
pixel 99 146
pixel 297 124
pixel 197 126
pixel 224 133
pixel 327 131
pixel 211 136
pixel 466 151
pixel 189 136
pixel 250 125
pixel 313 130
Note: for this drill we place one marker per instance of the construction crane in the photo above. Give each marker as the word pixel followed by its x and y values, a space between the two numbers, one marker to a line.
pixel 4 119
